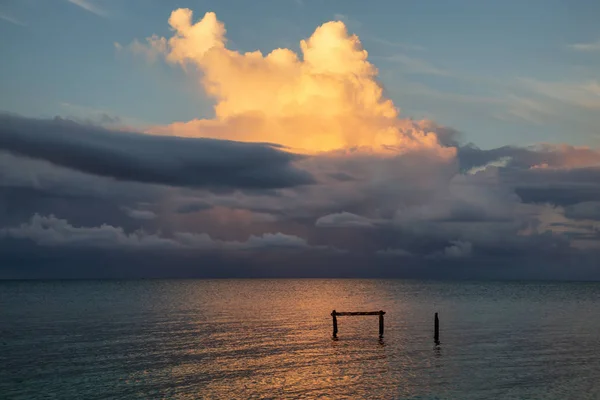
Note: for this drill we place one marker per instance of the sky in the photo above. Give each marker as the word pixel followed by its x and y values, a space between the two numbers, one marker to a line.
pixel 144 138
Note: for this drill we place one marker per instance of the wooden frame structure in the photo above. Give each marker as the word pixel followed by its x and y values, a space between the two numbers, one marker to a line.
pixel 335 314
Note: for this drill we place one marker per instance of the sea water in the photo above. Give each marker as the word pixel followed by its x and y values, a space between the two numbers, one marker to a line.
pixel 238 339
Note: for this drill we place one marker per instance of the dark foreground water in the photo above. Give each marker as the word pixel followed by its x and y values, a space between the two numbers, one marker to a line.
pixel 242 339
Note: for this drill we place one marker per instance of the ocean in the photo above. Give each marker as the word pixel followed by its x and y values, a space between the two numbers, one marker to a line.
pixel 243 339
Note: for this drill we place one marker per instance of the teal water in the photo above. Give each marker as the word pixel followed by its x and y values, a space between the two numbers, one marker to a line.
pixel 237 339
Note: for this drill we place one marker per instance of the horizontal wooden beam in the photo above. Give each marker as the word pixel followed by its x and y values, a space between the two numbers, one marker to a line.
pixel 338 313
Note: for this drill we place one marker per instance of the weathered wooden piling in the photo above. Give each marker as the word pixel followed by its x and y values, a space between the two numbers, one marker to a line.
pixel 436 329
pixel 335 314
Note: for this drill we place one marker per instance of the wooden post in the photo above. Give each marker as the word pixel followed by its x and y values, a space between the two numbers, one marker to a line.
pixel 335 331
pixel 436 332
pixel 381 323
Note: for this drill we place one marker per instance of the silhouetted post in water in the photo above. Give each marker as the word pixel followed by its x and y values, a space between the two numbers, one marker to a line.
pixel 335 314
pixel 436 333
pixel 334 323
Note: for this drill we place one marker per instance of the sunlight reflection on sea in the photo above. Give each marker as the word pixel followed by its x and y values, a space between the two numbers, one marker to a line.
pixel 272 339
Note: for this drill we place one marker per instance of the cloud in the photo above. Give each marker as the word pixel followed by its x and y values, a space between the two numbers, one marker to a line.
pixel 475 197
pixel 344 220
pixel 562 178
pixel 151 159
pixel 52 231
pixel 458 249
pixel 11 19
pixel 29 174
pixel 501 162
pixel 140 214
pixel 561 193
pixel 416 65
pixel 479 207
pixel 97 116
pixel 539 156
pixel 192 207
pixel 556 220
pixel 347 20
pixel 589 210
pixel 325 100
pixel 394 193
pixel 88 5
pixel 527 109
pixel 152 50
pixel 580 94
pixel 395 44
pixel 393 253
pixel 266 241
pixel 586 47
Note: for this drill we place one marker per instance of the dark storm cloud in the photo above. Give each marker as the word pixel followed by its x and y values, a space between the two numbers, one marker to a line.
pixel 29 186
pixel 557 174
pixel 558 195
pixel 17 204
pixel 567 178
pixel 175 161
pixel 22 172
pixel 562 187
pixel 584 210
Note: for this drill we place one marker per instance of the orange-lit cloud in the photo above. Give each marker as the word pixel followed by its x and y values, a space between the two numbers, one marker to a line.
pixel 326 99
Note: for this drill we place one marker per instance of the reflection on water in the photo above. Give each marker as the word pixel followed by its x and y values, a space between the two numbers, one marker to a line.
pixel 437 350
pixel 273 339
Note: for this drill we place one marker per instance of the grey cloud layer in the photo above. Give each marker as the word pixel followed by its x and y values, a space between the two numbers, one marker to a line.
pixel 53 231
pixel 151 159
pixel 502 207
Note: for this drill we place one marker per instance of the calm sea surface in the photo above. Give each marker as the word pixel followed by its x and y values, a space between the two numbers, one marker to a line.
pixel 238 339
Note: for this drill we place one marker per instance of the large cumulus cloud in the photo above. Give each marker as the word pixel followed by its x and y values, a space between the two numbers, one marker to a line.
pixel 327 98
